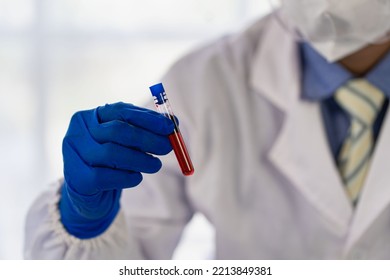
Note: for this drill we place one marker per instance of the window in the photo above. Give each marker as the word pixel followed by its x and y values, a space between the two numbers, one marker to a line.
pixel 58 57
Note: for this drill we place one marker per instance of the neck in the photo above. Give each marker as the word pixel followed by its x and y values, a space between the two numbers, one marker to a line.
pixel 362 61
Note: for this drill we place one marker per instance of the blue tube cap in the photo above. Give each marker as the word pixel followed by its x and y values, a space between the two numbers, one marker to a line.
pixel 158 93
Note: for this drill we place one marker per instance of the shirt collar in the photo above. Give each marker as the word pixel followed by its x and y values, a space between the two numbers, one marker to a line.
pixel 380 75
pixel 321 79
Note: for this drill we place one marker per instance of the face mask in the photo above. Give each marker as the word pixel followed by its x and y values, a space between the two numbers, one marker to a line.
pixel 337 28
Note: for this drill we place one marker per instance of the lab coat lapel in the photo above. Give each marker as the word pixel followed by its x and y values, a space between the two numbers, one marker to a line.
pixel 375 195
pixel 301 150
pixel 302 154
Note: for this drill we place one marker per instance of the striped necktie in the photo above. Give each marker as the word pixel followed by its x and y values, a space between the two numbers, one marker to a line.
pixel 362 102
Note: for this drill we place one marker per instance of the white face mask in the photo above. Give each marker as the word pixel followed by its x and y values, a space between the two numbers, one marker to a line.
pixel 337 28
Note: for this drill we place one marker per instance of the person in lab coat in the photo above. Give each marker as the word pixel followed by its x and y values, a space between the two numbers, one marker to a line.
pixel 270 139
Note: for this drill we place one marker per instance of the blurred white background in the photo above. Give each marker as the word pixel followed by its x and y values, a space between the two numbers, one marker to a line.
pixel 58 57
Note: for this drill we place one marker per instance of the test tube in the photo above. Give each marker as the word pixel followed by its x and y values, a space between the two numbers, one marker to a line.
pixel 176 139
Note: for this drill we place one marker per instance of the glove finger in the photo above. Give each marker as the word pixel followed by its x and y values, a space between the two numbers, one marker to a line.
pixel 131 136
pixel 118 157
pixel 108 179
pixel 141 117
pixel 88 180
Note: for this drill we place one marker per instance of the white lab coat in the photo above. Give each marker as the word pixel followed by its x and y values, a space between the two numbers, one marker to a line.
pixel 264 174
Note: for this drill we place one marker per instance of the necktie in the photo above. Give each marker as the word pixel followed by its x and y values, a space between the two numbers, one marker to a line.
pixel 362 101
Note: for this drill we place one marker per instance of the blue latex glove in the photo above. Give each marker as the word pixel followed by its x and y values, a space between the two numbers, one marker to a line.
pixel 104 151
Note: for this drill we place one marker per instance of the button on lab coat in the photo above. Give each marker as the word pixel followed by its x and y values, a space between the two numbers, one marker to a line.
pixel 264 174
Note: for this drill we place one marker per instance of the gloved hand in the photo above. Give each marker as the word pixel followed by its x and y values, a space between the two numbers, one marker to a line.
pixel 104 151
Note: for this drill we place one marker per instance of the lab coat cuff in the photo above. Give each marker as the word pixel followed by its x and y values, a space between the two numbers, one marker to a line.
pixel 117 227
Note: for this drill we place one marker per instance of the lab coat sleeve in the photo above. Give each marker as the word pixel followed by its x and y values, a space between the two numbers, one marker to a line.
pixel 148 226
pixel 46 238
